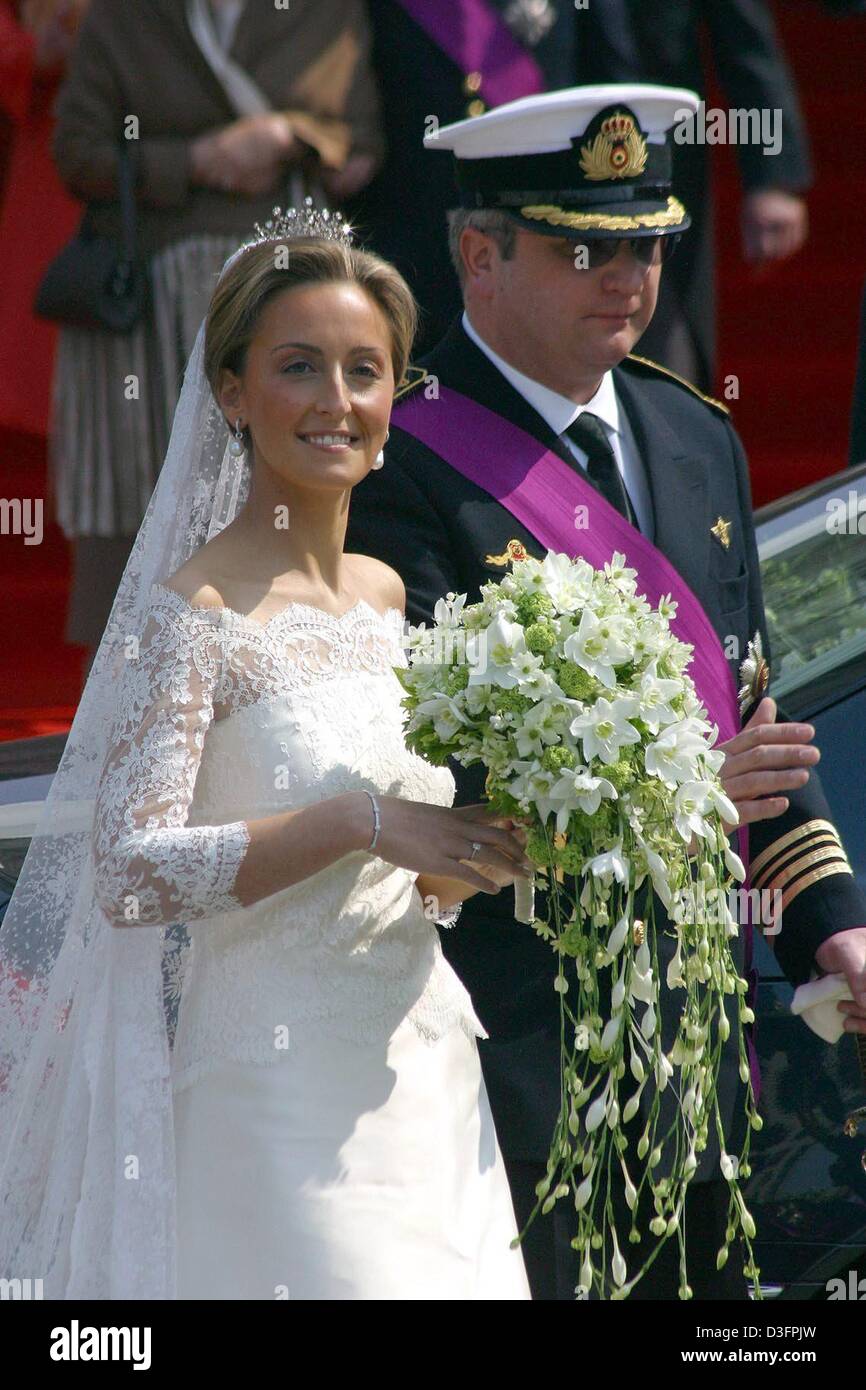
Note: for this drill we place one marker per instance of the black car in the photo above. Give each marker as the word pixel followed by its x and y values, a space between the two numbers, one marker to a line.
pixel 808 1189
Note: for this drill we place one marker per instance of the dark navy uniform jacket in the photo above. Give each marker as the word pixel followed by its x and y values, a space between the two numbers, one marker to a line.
pixel 441 533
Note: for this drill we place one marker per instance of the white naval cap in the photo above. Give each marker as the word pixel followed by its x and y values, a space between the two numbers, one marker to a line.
pixel 582 161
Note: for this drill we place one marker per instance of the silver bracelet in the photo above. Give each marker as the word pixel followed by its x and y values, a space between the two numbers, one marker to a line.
pixel 378 822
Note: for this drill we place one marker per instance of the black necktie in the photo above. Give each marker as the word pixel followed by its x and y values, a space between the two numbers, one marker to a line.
pixel 588 433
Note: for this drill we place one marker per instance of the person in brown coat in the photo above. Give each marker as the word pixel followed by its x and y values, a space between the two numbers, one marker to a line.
pixel 226 109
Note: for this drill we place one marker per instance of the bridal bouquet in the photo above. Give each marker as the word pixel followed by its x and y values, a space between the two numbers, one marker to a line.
pixel 573 692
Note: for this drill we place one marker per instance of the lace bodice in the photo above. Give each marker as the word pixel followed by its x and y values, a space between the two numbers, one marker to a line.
pixel 224 720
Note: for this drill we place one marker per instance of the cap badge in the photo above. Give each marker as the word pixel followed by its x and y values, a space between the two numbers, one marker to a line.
pixel 619 151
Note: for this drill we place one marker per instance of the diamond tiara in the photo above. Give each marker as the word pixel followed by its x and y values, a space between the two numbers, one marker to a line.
pixel 309 221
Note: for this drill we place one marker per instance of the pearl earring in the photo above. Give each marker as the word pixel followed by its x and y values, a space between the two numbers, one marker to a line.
pixel 238 446
pixel 380 457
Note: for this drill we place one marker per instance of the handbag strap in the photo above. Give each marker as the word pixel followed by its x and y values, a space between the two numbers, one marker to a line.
pixel 126 172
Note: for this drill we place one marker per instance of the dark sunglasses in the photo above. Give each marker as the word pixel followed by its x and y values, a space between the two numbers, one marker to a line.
pixel 649 250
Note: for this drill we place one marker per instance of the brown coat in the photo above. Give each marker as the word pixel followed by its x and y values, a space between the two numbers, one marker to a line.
pixel 138 57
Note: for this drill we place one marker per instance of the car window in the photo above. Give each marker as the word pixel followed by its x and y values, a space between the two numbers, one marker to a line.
pixel 812 548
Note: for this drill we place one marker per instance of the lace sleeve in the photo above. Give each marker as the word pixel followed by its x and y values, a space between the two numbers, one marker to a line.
pixel 150 868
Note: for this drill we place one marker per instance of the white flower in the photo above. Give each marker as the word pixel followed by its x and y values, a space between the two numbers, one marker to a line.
pixel 729 1165
pixel 605 727
pixel 499 648
pixel 641 985
pixel 611 1032
pixel 583 1194
pixel 532 785
pixel 567 582
pixel 656 693
pixel 617 573
pixel 724 806
pixel 444 713
pixel 672 757
pixel 692 801
pixel 544 724
pixel 734 863
pixel 596 1113
pixel 675 977
pixel 447 610
pixel 576 789
pixel 598 645
pixel 611 864
pixel 616 940
pixel 658 873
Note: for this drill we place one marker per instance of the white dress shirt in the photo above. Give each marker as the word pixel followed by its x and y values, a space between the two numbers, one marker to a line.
pixel 559 412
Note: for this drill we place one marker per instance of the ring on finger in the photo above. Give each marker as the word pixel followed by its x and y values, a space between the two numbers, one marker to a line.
pixel 476 848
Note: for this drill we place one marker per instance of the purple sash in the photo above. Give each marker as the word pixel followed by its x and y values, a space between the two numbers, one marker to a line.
pixel 543 492
pixel 477 39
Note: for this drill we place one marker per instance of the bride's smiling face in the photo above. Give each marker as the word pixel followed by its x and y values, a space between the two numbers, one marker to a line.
pixel 317 385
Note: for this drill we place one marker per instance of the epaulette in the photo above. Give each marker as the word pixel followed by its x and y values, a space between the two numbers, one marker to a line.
pixel 674 376
pixel 411 381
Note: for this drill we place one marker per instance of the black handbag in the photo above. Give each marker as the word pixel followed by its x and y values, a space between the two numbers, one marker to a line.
pixel 96 281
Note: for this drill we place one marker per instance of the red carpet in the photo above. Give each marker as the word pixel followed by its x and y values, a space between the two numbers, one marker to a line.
pixel 789 335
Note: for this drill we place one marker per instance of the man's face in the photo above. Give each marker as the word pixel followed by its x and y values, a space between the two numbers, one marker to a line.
pixel 562 324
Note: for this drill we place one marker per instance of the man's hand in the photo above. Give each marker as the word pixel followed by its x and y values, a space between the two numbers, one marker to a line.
pixel 764 759
pixel 845 954
pixel 775 224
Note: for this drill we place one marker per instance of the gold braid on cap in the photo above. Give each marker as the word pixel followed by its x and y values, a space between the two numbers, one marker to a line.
pixel 672 216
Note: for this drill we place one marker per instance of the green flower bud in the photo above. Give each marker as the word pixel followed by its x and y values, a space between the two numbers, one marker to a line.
pixel 620 774
pixel 574 681
pixel 557 757
pixel 540 636
pixel 533 606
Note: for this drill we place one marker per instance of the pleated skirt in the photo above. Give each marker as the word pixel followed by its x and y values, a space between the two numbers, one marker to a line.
pixel 113 401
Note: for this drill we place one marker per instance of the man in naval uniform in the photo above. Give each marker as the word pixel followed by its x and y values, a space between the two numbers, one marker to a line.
pixel 567 214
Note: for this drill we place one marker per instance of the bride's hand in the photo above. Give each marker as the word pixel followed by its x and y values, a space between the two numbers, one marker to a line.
pixel 436 841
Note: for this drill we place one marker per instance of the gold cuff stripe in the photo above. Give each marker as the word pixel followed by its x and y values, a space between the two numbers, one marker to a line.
pixel 808 827
pixel 606 221
pixel 823 871
pixel 822 840
pixel 803 861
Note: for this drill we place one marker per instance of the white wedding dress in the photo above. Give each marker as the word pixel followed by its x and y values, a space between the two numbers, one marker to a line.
pixel 333 1136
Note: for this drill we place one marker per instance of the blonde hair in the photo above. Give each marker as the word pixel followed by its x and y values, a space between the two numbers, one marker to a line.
pixel 258 276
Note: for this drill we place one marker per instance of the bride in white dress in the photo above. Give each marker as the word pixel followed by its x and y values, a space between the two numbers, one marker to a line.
pixel 333 1137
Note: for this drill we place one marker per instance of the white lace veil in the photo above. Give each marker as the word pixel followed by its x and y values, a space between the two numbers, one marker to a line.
pixel 87 1011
